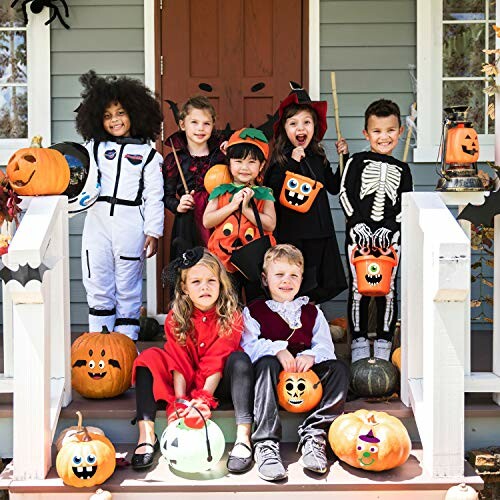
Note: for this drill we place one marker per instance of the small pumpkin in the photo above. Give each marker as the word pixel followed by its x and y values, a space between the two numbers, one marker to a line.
pixel 461 492
pixel 462 145
pixel 370 440
pixel 396 358
pixel 86 462
pixel 338 328
pixel 102 364
pixel 215 176
pixel 101 495
pixel 299 392
pixel 68 434
pixel 36 171
pixel 373 377
pixel 149 327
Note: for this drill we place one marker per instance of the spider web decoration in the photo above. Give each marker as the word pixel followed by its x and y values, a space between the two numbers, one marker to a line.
pixel 36 6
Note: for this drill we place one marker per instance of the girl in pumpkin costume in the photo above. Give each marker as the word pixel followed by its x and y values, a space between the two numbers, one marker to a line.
pixel 234 209
pixel 300 176
pixel 197 146
pixel 201 359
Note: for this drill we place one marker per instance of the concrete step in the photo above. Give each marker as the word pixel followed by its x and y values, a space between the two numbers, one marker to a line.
pixel 341 481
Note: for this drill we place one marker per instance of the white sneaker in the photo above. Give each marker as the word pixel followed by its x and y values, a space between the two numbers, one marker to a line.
pixel 360 349
pixel 382 349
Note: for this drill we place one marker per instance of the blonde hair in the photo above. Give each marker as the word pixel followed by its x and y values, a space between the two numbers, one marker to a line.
pixel 283 252
pixel 197 102
pixel 182 307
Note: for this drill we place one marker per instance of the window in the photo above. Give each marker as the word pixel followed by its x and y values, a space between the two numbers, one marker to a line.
pixel 24 79
pixel 451 35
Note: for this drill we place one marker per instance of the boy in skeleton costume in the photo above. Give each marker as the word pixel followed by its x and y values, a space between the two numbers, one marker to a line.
pixel 370 195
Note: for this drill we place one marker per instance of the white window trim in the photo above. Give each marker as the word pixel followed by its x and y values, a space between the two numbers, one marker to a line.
pixel 38 80
pixel 429 89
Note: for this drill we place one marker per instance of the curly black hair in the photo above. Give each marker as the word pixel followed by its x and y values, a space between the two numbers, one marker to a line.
pixel 139 102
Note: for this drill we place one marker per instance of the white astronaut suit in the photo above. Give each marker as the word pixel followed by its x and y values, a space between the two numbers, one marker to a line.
pixel 128 208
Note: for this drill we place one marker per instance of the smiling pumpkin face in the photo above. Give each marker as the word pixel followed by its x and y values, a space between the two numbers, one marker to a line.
pixel 38 171
pixel 299 392
pixel 462 145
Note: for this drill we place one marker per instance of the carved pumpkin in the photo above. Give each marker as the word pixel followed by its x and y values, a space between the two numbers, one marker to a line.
pixel 38 171
pixel 70 433
pixel 396 358
pixel 299 192
pixel 299 392
pixel 102 364
pixel 462 145
pixel 86 462
pixel 370 440
pixel 373 377
pixel 215 176
pixel 235 232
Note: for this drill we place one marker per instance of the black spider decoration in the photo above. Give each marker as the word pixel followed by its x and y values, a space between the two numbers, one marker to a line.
pixel 37 7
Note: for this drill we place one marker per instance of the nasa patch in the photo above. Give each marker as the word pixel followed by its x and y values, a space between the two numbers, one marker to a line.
pixel 110 154
pixel 134 159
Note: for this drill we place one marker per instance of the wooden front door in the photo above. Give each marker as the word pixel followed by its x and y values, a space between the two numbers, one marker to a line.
pixel 239 53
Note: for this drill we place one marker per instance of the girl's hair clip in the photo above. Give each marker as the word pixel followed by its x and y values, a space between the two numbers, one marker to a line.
pixel 188 259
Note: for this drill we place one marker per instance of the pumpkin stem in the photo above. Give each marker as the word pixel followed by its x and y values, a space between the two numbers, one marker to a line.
pixel 143 312
pixel 36 142
pixel 371 419
pixel 80 420
pixel 86 435
pixel 105 329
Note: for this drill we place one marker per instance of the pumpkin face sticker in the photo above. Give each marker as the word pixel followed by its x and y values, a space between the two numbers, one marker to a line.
pixel 299 392
pixel 97 368
pixel 367 448
pixel 299 192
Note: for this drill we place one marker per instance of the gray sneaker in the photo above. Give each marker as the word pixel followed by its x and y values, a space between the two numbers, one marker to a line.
pixel 267 457
pixel 314 455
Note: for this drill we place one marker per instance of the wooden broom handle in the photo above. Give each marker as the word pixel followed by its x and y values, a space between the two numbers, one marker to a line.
pixel 337 118
pixel 181 173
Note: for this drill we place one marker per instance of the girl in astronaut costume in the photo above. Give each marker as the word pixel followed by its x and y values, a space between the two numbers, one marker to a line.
pixel 118 116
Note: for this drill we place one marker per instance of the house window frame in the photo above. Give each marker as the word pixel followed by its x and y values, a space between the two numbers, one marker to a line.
pixel 38 86
pixel 429 87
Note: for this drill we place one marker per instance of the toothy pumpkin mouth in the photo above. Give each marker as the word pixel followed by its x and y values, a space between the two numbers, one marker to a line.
pixel 373 279
pixel 21 183
pixel 296 402
pixel 84 472
pixel 294 198
pixel 97 376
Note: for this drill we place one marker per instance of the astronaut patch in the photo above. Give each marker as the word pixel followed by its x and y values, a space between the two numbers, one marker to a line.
pixel 134 159
pixel 110 154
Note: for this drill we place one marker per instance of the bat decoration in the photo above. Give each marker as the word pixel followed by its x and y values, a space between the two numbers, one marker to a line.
pixel 36 6
pixel 24 274
pixel 482 214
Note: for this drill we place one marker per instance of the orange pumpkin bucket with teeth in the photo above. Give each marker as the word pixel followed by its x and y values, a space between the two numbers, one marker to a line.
pixel 299 192
pixel 374 272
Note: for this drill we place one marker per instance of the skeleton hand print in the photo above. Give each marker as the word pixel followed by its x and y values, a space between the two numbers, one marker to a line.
pixel 381 239
pixel 362 235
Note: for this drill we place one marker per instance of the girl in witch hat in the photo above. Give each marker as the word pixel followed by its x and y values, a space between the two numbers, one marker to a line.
pixel 300 176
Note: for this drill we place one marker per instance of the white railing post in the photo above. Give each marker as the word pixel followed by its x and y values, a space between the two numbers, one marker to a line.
pixel 496 305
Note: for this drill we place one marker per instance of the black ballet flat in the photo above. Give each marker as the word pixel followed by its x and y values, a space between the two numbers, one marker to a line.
pixel 145 460
pixel 238 465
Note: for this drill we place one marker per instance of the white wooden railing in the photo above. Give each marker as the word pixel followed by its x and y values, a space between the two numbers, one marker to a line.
pixel 36 328
pixel 435 334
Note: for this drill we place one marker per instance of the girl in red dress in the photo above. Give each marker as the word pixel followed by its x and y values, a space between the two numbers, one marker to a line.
pixel 201 360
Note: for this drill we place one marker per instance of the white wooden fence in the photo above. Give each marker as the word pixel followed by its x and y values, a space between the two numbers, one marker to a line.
pixel 435 335
pixel 36 328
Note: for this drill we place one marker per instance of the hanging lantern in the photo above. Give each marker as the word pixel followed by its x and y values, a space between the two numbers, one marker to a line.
pixel 188 449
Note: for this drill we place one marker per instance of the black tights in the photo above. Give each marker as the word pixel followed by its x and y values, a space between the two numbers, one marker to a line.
pixel 237 385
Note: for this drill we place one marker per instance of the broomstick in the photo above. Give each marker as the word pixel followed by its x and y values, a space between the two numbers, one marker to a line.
pixel 337 119
pixel 179 168
pixel 411 124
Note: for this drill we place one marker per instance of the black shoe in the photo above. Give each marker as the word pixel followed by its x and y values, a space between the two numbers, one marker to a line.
pixel 145 460
pixel 239 465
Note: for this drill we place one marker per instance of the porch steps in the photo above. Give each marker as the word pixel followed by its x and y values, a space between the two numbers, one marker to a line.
pixel 408 482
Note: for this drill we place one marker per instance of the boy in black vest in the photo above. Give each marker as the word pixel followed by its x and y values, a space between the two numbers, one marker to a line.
pixel 288 333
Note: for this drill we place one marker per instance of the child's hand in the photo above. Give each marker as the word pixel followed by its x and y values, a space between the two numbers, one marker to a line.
pixel 298 153
pixel 150 246
pixel 237 200
pixel 287 360
pixel 342 147
pixel 186 203
pixel 304 362
pixel 248 194
pixel 223 147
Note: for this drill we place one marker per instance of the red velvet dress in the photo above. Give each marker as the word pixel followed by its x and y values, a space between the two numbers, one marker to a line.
pixel 204 354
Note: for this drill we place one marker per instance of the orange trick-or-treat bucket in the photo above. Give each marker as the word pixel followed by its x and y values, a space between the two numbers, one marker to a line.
pixel 374 272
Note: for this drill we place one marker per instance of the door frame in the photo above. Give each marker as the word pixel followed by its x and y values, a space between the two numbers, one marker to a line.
pixel 151 79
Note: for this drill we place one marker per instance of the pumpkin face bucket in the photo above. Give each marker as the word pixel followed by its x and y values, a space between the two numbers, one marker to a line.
pixel 299 192
pixel 299 392
pixel 462 145
pixel 102 364
pixel 370 440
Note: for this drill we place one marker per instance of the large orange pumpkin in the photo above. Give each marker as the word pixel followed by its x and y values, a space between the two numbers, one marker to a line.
pixel 370 440
pixel 462 145
pixel 38 171
pixel 86 461
pixel 299 392
pixel 102 364
pixel 396 358
pixel 215 176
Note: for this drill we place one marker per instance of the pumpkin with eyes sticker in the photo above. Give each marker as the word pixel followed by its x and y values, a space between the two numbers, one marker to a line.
pixel 370 440
pixel 102 364
pixel 299 192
